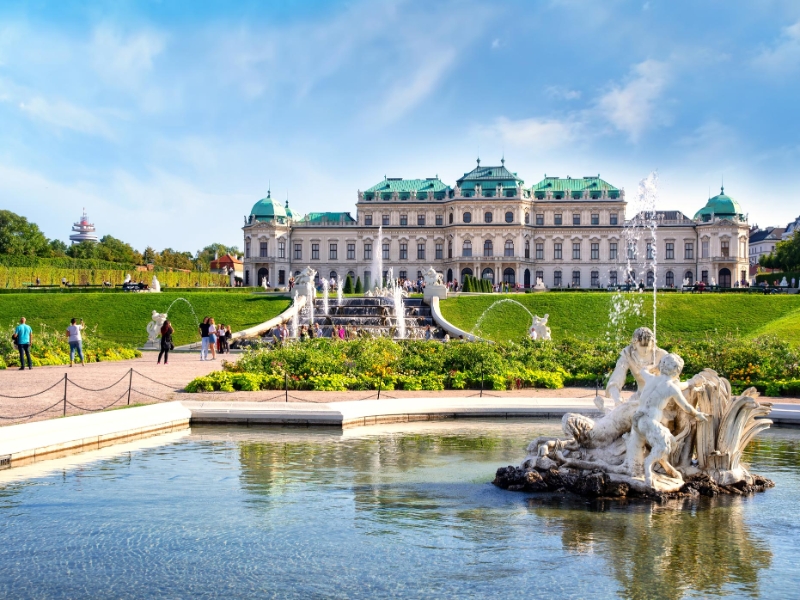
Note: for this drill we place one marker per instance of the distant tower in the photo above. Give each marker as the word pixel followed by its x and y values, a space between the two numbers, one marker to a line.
pixel 84 231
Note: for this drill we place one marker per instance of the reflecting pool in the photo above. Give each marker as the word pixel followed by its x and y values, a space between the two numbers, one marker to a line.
pixel 391 511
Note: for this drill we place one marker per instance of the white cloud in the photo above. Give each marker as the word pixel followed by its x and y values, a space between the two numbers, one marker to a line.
pixel 124 60
pixel 562 93
pixel 532 132
pixel 64 115
pixel 404 96
pixel 632 108
pixel 785 53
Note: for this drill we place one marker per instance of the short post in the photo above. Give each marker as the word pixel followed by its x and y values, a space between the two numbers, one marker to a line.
pixel 380 385
pixel 286 385
pixel 65 394
pixel 130 385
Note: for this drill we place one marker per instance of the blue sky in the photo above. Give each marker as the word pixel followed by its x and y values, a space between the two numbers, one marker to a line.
pixel 168 120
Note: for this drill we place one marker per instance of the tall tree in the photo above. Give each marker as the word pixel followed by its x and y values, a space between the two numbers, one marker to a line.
pixel 58 248
pixel 177 260
pixel 114 250
pixel 149 255
pixel 82 250
pixel 19 236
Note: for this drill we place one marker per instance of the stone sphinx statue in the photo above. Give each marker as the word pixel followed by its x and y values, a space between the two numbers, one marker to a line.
pixel 433 277
pixel 670 438
pixel 154 326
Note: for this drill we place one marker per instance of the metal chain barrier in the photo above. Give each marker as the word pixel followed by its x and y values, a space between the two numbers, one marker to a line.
pixel 26 417
pixel 98 409
pixel 98 389
pixel 32 395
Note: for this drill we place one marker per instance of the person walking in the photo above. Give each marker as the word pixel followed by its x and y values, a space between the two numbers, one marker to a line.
pixel 75 341
pixel 212 338
pixel 220 337
pixel 204 327
pixel 428 333
pixel 166 341
pixel 23 337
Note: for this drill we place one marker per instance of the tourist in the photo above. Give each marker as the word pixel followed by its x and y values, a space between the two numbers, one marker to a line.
pixel 212 338
pixel 291 283
pixel 75 341
pixel 284 333
pixel 64 281
pixel 428 333
pixel 38 280
pixel 341 332
pixel 316 331
pixel 166 342
pixel 23 338
pixel 204 328
pixel 304 333
pixel 226 343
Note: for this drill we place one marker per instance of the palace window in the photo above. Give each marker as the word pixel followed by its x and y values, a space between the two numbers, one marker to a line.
pixel 595 279
pixel 539 275
pixel 649 251
pixel 704 248
pixel 466 248
pixel 420 219
pixel 421 251
pixel 488 248
pixel 262 249
pixel 725 247
pixel 704 277
pixel 669 251
pixel 650 278
pixel 487 217
pixel 281 277
pixel 385 220
pixel 385 251
pixel 368 220
pixel 439 220
pixel 527 218
pixel 247 249
pixel 576 279
pixel 631 250
pixel 576 219
pixel 367 251
pixel 670 279
pixel 403 275
pixel 439 251
pixel 576 250
pixel 333 252
pixel 450 219
pixel 450 249
pixel 403 251
pixel 467 217
pixel 298 251
pixel 595 249
pixel 688 251
pixel 403 220
pixel 351 251
pixel 539 250
pixel 595 219
pixel 557 279
pixel 612 278
pixel 314 251
pixel 557 219
pixel 540 219
pixel 281 249
pixel 509 248
pixel 509 217
pixel 557 251
pixel 612 251
pixel 613 220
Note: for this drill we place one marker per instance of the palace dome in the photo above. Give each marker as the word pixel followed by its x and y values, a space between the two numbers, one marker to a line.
pixel 268 209
pixel 721 205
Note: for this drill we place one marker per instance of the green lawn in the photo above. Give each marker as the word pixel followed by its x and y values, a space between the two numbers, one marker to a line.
pixel 123 317
pixel 586 315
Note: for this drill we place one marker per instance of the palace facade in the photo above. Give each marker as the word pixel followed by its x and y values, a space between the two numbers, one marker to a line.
pixel 566 231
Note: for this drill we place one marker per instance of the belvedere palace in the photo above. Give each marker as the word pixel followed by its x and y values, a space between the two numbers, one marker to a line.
pixel 566 231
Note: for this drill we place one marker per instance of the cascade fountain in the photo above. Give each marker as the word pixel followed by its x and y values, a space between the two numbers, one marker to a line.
pixel 377 261
pixel 311 293
pixel 399 309
pixel 296 321
pixel 339 294
pixel 325 291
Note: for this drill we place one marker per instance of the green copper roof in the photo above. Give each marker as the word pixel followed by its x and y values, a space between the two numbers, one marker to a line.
pixel 328 217
pixel 392 184
pixel 268 209
pixel 574 188
pixel 719 206
pixel 290 213
pixel 490 175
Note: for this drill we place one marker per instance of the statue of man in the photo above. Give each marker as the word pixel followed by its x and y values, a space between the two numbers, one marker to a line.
pixel 646 427
pixel 640 356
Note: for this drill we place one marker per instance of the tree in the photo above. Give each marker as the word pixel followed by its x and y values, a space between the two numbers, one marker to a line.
pixel 114 250
pixel 359 287
pixel 58 248
pixel 82 250
pixel 149 255
pixel 348 284
pixel 19 236
pixel 177 260
pixel 207 254
pixel 787 253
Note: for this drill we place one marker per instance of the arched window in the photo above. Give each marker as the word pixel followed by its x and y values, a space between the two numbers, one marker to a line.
pixel 650 279
pixel 612 278
pixel 527 278
pixel 331 277
pixel 689 278
pixel 724 280
pixel 670 279
pixel 509 217
pixel 557 279
pixel 488 273
pixel 263 276
pixel 509 248
pixel 487 217
pixel 465 272
pixel 488 249
pixel 595 275
pixel 449 275
pixel 467 217
pixel 451 218
pixel 509 277
pixel 527 219
pixel 527 249
pixel 450 249
pixel 466 249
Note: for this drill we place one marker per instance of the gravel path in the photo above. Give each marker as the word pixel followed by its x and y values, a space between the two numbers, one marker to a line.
pixel 100 385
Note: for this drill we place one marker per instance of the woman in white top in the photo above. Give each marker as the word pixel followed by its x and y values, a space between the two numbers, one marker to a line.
pixel 75 341
pixel 212 338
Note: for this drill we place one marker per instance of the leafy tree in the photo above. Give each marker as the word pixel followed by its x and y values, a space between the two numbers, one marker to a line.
pixel 206 255
pixel 82 250
pixel 149 255
pixel 359 287
pixel 348 285
pixel 58 248
pixel 114 250
pixel 177 260
pixel 19 236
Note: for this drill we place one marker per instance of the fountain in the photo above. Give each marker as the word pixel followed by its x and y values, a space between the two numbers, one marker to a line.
pixel 377 261
pixel 310 303
pixel 325 291
pixel 399 310
pixel 477 327
pixel 339 295
pixel 540 286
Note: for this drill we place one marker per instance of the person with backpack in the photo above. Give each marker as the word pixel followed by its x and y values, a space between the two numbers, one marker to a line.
pixel 166 342
pixel 23 337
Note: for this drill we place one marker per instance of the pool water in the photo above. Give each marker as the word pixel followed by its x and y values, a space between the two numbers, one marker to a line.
pixel 404 511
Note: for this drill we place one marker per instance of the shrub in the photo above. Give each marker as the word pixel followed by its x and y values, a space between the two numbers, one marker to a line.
pixel 359 288
pixel 348 285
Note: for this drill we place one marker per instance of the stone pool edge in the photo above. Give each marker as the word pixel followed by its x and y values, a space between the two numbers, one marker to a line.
pixel 43 440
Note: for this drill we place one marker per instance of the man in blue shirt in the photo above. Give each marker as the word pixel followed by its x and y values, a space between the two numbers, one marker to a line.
pixel 23 337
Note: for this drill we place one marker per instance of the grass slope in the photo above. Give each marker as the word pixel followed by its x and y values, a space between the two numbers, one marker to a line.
pixel 124 317
pixel 586 315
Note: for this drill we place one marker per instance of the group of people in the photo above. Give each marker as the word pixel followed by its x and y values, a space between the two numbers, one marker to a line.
pixel 23 338
pixel 214 338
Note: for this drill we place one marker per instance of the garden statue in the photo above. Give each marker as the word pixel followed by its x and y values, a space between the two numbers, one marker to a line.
pixel 264 283
pixel 231 277
pixel 127 278
pixel 433 277
pixel 539 330
pixel 155 285
pixel 154 326
pixel 434 286
pixel 302 280
pixel 784 283
pixel 640 355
